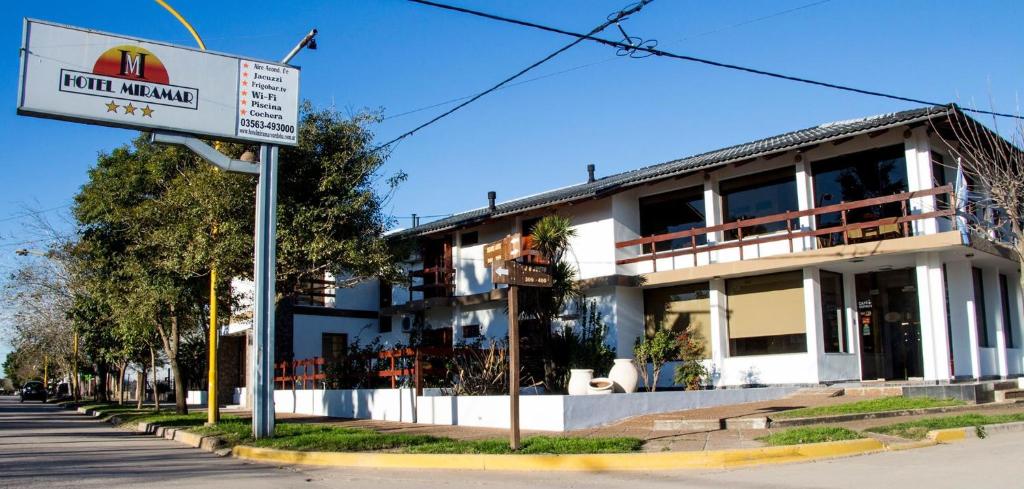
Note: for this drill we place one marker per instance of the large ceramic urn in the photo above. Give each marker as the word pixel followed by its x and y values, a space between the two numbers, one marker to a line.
pixel 625 375
pixel 579 381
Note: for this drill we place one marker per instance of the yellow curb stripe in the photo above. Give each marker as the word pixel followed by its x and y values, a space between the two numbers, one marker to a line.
pixel 591 462
pixel 949 435
pixel 896 447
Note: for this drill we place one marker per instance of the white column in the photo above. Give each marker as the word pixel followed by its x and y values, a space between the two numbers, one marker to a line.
pixel 712 212
pixel 813 320
pixel 931 298
pixel 719 324
pixel 994 310
pixel 1016 295
pixel 852 323
pixel 805 200
pixel 966 359
pixel 919 177
pixel 628 320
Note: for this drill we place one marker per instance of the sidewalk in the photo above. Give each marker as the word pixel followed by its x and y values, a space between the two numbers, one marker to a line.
pixel 642 426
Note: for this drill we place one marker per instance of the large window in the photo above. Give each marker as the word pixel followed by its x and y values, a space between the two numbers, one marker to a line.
pixel 766 314
pixel 759 195
pixel 833 313
pixel 682 308
pixel 1008 318
pixel 671 212
pixel 860 176
pixel 980 321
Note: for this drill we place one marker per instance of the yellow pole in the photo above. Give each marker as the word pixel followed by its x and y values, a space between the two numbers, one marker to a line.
pixel 75 367
pixel 46 361
pixel 213 409
pixel 184 22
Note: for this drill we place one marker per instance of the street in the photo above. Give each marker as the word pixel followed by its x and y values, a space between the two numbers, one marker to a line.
pixel 45 446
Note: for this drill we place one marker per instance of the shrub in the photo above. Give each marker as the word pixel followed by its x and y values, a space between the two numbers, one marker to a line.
pixel 479 371
pixel 691 372
pixel 657 350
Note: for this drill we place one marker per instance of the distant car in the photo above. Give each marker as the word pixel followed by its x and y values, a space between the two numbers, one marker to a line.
pixel 33 391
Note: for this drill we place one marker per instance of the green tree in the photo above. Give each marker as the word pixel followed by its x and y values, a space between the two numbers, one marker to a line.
pixel 154 220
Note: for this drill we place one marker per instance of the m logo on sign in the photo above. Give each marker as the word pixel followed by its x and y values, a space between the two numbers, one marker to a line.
pixel 133 65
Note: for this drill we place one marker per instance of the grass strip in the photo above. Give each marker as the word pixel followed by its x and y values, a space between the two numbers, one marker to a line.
pixel 810 434
pixel 897 403
pixel 327 438
pixel 918 429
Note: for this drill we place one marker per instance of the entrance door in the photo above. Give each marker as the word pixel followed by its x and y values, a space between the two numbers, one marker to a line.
pixel 889 325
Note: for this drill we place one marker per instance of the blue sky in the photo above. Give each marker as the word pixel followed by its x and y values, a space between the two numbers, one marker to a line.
pixel 617 113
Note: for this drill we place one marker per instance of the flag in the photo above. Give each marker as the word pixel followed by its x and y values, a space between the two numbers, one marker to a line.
pixel 961 196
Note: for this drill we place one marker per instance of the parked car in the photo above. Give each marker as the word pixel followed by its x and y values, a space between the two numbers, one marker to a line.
pixel 33 391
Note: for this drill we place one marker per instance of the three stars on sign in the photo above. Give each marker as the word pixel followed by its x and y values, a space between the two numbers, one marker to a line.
pixel 130 109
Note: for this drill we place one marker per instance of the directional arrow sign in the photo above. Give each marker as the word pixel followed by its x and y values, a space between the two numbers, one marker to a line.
pixel 514 273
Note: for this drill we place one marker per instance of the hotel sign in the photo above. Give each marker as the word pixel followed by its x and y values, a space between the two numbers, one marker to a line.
pixel 80 75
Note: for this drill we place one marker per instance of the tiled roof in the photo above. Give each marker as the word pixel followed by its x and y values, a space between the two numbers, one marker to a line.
pixel 620 181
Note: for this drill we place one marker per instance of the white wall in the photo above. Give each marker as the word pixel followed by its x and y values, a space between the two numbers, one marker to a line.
pixel 592 250
pixel 308 330
pixel 364 296
pixel 787 368
pixel 378 404
pixel 540 413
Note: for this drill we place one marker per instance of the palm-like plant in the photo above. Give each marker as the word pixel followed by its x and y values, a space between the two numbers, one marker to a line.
pixel 551 237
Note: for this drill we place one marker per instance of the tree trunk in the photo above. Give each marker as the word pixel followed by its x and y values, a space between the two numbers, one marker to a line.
pixel 101 383
pixel 120 383
pixel 170 340
pixel 140 386
pixel 180 394
pixel 152 367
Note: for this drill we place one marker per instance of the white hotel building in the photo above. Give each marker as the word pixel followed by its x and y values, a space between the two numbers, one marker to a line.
pixel 823 255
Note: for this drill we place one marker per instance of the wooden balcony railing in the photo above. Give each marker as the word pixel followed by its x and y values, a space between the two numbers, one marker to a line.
pixel 438 281
pixel 845 233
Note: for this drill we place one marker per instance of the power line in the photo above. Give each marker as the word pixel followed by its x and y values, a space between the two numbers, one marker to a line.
pixel 34 213
pixel 613 58
pixel 510 85
pixel 755 20
pixel 719 64
pixel 612 20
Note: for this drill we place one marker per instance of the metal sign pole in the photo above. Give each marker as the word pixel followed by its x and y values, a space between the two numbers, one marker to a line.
pixel 513 365
pixel 266 266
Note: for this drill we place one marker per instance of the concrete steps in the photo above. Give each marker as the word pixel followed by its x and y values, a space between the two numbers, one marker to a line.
pixel 1005 395
pixel 819 392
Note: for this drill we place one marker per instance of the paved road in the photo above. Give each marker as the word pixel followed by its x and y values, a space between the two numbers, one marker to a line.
pixel 42 446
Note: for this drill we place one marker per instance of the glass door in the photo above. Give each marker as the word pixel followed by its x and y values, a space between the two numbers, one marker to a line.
pixel 889 325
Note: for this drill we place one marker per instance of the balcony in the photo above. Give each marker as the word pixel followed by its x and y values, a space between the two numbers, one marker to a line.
pixel 435 281
pixel 874 219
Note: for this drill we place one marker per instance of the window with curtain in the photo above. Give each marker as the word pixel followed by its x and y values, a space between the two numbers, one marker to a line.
pixel 833 313
pixel 1009 320
pixel 671 212
pixel 766 314
pixel 678 309
pixel 759 195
